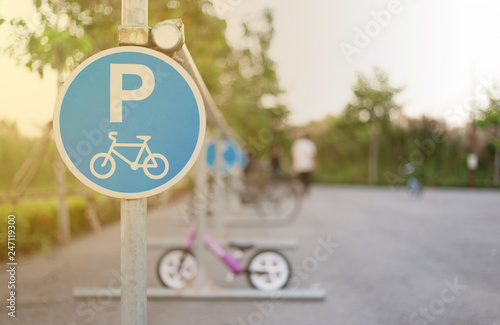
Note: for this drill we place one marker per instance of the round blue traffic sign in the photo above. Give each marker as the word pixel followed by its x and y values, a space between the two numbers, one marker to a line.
pixel 233 156
pixel 129 122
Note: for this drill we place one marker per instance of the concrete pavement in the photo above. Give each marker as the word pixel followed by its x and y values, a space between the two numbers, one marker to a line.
pixel 383 256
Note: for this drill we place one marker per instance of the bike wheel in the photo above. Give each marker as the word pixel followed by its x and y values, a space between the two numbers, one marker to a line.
pixel 102 171
pixel 176 268
pixel 269 270
pixel 155 174
pixel 278 202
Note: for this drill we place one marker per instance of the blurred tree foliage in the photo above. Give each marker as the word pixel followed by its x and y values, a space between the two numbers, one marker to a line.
pixel 244 82
pixel 437 152
pixel 489 119
pixel 14 149
pixel 374 103
pixel 54 37
pixel 239 77
pixel 345 142
pixel 250 99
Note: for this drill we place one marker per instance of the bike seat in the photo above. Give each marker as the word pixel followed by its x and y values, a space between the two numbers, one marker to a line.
pixel 241 247
pixel 143 137
pixel 112 135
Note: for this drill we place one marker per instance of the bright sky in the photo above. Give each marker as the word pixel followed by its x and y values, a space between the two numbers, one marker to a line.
pixel 438 49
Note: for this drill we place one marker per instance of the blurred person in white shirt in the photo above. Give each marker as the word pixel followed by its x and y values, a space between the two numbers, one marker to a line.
pixel 303 154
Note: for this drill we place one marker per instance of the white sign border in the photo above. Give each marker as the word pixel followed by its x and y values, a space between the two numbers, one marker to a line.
pixel 199 144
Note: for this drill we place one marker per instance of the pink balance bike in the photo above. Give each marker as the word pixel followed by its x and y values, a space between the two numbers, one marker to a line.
pixel 267 270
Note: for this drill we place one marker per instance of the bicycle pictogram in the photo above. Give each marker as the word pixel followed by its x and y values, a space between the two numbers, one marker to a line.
pixel 150 162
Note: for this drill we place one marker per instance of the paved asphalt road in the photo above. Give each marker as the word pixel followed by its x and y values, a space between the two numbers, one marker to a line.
pixel 394 259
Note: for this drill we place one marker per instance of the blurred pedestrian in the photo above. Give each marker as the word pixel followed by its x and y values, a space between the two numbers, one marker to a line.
pixel 276 153
pixel 304 162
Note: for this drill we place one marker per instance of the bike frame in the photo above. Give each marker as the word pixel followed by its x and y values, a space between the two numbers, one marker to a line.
pixel 142 145
pixel 217 248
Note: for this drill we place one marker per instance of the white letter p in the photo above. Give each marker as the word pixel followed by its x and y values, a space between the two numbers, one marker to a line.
pixel 118 94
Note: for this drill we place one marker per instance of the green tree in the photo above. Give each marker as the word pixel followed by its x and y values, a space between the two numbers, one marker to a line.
pixel 55 38
pixel 374 103
pixel 238 78
pixel 205 32
pixel 490 119
pixel 14 149
pixel 243 80
pixel 250 94
pixel 342 149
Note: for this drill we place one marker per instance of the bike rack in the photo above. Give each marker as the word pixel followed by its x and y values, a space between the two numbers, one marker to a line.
pixel 234 214
pixel 221 219
pixel 202 289
pixel 162 293
pixel 219 222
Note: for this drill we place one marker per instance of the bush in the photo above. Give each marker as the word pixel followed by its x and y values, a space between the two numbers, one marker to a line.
pixel 36 222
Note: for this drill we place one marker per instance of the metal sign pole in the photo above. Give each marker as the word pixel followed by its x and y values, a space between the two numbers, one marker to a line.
pixel 133 262
pixel 135 13
pixel 234 188
pixel 201 202
pixel 133 218
pixel 219 187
